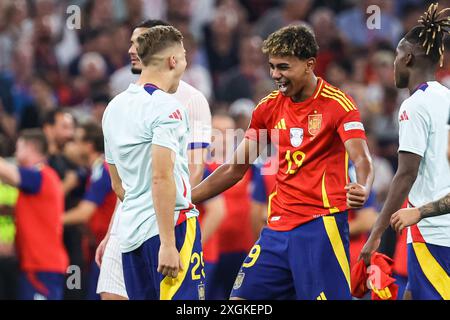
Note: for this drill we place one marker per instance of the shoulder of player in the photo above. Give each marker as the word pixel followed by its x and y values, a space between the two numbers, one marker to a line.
pixel 268 101
pixel 415 103
pixel 336 97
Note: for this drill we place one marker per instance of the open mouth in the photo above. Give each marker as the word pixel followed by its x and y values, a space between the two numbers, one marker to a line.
pixel 282 86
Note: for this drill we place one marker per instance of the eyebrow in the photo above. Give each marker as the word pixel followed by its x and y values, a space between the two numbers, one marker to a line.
pixel 280 65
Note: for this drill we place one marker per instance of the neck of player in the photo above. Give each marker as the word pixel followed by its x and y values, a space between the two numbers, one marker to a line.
pixel 307 90
pixel 160 79
pixel 419 76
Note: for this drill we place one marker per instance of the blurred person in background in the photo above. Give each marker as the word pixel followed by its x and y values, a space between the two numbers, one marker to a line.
pixel 290 12
pixel 99 201
pixel 353 24
pixel 38 215
pixel 235 239
pixel 9 274
pixel 42 102
pixel 239 81
pixel 59 128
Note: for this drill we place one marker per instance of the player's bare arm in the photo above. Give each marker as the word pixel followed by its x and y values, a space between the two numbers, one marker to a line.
pixel 9 173
pixel 196 158
pixel 81 213
pixel 116 182
pixel 407 217
pixel 164 195
pixel 357 193
pixel 228 174
pixel 215 212
pixel 408 167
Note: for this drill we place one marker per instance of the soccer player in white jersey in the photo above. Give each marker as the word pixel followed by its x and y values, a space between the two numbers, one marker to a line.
pixel 111 284
pixel 423 173
pixel 145 130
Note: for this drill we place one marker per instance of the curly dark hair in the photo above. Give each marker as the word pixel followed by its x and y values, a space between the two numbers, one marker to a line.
pixel 294 40
pixel 429 35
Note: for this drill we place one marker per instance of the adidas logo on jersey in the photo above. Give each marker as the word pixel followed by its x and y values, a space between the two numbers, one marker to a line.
pixel 176 115
pixel 281 124
pixel 404 116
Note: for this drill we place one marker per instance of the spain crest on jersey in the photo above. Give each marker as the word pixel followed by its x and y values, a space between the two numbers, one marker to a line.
pixel 314 123
pixel 296 135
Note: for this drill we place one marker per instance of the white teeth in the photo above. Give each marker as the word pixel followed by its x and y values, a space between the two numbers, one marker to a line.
pixel 282 87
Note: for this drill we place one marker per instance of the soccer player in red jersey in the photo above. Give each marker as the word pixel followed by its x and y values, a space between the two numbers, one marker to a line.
pixel 303 252
pixel 39 209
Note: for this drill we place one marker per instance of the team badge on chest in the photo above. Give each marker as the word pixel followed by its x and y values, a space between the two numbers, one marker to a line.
pixel 296 136
pixel 314 123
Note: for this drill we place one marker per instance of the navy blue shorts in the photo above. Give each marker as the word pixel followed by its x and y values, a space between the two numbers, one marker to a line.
pixel 428 271
pixel 41 286
pixel 310 262
pixel 144 282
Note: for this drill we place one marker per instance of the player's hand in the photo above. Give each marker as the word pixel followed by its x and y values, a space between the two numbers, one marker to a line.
pixel 100 251
pixel 404 218
pixel 369 248
pixel 356 195
pixel 169 261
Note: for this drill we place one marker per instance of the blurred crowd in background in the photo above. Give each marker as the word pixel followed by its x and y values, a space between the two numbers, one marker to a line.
pixel 46 66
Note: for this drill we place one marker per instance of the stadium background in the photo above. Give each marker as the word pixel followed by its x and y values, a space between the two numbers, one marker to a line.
pixel 44 65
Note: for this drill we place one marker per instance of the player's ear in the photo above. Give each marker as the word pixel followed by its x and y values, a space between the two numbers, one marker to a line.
pixel 409 59
pixel 172 62
pixel 310 64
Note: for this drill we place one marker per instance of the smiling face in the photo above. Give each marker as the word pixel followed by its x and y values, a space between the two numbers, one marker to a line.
pixel 290 73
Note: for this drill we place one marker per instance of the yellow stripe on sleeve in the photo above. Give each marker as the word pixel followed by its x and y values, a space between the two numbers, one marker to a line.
pixel 336 99
pixel 342 95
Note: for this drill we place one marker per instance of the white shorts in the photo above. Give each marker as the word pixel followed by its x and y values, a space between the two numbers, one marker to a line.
pixel 111 271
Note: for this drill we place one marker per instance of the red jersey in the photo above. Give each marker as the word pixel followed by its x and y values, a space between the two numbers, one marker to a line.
pixel 39 212
pixel 313 163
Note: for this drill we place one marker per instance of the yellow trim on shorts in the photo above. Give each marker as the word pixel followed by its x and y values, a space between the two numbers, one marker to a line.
pixel 338 247
pixel 434 272
pixel 169 286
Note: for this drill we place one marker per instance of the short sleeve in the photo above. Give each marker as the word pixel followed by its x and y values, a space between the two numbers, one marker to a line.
pixel 256 124
pixel 199 121
pixel 169 128
pixel 108 155
pixel 30 180
pixel 349 125
pixel 99 187
pixel 413 129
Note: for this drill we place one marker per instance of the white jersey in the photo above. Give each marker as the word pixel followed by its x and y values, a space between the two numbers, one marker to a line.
pixel 423 131
pixel 135 120
pixel 199 122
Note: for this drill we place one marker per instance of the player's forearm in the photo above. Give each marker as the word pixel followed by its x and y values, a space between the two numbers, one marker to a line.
pixel 436 208
pixel 80 214
pixel 398 191
pixel 364 171
pixel 223 178
pixel 195 174
pixel 164 195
